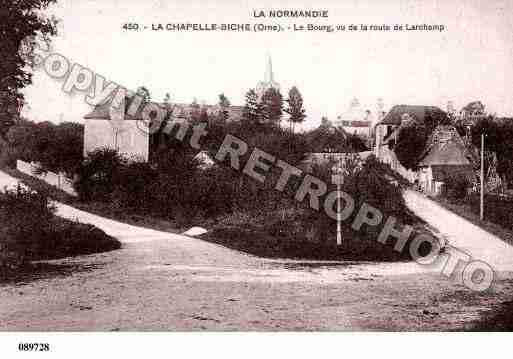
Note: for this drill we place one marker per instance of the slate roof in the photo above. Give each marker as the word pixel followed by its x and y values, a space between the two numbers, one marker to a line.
pixel 418 113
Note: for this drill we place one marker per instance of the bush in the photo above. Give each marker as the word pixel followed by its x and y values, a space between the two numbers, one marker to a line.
pixel 57 148
pixel 30 231
pixel 496 209
pixel 97 174
pixel 456 187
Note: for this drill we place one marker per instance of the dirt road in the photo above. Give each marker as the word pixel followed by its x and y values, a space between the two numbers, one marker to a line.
pixel 462 234
pixel 164 281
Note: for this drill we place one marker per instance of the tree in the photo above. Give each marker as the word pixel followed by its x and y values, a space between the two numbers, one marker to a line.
pixel 325 122
pixel 327 138
pixel 167 99
pixel 411 142
pixel 63 147
pixel 295 108
pixel 498 134
pixel 272 106
pixel 23 26
pixel 474 108
pixel 144 93
pixel 203 117
pixel 224 104
pixel 195 110
pixel 252 112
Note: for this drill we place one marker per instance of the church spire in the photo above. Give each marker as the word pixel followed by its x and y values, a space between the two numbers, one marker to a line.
pixel 268 81
pixel 269 76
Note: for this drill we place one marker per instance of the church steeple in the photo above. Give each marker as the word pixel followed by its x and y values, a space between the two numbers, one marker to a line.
pixel 269 75
pixel 268 81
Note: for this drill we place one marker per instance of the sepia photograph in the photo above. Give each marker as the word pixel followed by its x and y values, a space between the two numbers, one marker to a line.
pixel 293 167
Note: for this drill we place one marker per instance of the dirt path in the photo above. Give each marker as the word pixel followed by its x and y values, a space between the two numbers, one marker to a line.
pixel 164 281
pixel 461 233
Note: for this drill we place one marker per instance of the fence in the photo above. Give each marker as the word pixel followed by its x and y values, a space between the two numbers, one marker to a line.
pixel 58 180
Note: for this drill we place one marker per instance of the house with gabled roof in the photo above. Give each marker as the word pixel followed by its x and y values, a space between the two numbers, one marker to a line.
pixel 444 157
pixel 116 128
pixel 386 132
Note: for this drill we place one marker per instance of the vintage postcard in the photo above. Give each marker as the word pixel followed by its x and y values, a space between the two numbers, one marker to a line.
pixel 254 166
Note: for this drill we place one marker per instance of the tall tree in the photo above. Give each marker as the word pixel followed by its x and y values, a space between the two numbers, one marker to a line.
pixel 167 99
pixel 252 111
pixel 272 106
pixel 411 143
pixel 144 93
pixel 23 26
pixel 195 110
pixel 224 104
pixel 295 108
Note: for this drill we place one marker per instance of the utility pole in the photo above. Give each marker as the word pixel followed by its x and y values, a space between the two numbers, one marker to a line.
pixel 338 179
pixel 339 216
pixel 481 211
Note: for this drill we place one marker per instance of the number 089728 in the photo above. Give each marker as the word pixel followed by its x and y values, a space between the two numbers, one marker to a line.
pixel 34 347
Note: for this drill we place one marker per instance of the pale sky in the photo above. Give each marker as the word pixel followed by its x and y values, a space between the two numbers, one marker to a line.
pixel 470 60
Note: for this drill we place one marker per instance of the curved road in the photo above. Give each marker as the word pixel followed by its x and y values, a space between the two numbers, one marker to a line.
pixel 164 281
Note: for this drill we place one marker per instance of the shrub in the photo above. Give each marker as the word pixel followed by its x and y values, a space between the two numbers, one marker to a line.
pixel 57 148
pixel 20 232
pixel 496 209
pixel 456 187
pixel 30 231
pixel 133 188
pixel 97 174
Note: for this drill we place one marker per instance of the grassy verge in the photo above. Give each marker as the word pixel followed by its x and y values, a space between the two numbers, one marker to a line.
pixel 263 237
pixel 268 236
pixel 261 244
pixel 30 231
pixel 499 319
pixel 99 208
pixel 464 210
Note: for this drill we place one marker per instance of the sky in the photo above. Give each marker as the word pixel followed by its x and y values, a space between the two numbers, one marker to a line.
pixel 470 60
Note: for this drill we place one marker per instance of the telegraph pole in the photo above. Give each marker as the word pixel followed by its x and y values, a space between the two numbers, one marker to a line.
pixel 339 216
pixel 481 208
pixel 338 179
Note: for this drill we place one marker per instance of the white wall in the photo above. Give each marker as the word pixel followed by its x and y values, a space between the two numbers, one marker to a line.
pixel 128 139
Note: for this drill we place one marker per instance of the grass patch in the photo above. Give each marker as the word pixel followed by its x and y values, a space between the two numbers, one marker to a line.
pixel 103 209
pixel 30 231
pixel 497 320
pixel 464 210
pixel 279 240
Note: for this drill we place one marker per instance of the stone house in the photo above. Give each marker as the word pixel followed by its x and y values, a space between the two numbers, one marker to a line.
pixel 445 157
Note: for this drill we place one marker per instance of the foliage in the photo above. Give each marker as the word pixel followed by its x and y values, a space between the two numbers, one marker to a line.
pixel 411 143
pixel 144 93
pixel 57 148
pixel 42 235
pixel 98 174
pixel 295 107
pixel 496 209
pixel 224 104
pixel 327 138
pixel 456 187
pixel 498 134
pixel 251 113
pixel 293 230
pixel 272 106
pixel 475 108
pixel 20 20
